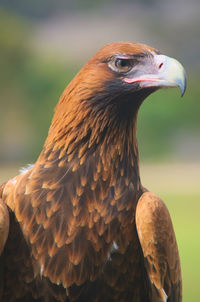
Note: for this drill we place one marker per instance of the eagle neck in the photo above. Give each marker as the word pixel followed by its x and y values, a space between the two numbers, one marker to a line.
pixel 98 144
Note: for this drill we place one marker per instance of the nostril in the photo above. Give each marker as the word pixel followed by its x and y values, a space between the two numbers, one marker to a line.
pixel 161 64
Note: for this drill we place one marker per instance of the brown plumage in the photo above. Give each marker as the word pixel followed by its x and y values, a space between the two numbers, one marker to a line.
pixel 82 227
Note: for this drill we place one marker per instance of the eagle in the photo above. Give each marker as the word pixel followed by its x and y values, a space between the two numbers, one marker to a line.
pixel 78 225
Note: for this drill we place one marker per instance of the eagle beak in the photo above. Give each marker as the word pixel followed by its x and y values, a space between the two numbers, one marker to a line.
pixel 162 71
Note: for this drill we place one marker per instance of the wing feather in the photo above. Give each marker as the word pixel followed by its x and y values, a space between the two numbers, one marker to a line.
pixel 158 242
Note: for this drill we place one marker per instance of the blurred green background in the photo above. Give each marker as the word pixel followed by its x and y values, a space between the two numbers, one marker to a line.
pixel 42 46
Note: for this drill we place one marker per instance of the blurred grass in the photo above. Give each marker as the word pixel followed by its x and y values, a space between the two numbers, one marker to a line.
pixel 185 209
pixel 178 185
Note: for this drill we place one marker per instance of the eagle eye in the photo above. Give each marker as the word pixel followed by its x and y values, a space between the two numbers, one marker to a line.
pixel 121 64
pixel 124 64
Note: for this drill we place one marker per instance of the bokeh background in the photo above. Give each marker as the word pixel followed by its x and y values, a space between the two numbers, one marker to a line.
pixel 42 46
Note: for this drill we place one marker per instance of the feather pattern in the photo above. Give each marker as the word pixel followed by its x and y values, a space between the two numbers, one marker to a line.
pixel 73 233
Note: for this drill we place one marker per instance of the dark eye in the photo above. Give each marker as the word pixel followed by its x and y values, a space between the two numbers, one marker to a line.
pixel 123 64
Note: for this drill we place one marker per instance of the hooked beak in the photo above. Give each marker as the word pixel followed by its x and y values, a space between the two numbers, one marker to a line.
pixel 161 71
